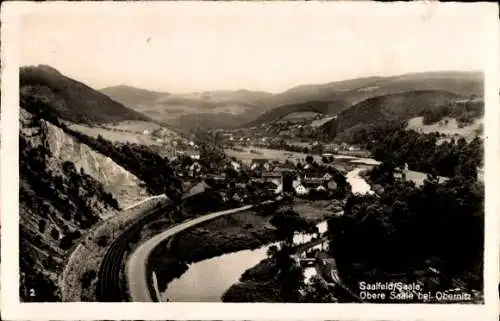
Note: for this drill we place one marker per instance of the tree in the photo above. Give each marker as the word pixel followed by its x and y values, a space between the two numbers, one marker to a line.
pixel 41 225
pixel 54 234
pixel 318 291
pixel 87 277
pixel 102 240
pixel 290 276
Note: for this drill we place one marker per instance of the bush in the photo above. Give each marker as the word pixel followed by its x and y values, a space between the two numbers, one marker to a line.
pixel 41 225
pixel 54 234
pixel 102 240
pixel 87 277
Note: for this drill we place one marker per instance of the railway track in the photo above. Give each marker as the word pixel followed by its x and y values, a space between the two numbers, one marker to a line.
pixel 110 287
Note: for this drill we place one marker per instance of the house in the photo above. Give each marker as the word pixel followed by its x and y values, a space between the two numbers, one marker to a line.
pixel 276 181
pixel 260 164
pixel 315 180
pixel 327 177
pixel 198 188
pixel 269 186
pixel 279 189
pixel 237 197
pixel 331 185
pixel 236 166
pixel 301 189
pixel 195 167
pixel 321 188
pixel 295 183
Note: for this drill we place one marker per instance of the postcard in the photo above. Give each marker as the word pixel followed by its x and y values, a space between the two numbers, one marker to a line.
pixel 259 161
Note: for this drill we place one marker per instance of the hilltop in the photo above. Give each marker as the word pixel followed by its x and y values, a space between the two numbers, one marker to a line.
pixel 132 97
pixel 192 110
pixel 236 108
pixel 71 100
pixel 332 98
pixel 387 108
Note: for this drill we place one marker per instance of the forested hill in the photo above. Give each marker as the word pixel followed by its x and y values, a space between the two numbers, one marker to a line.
pixel 388 108
pixel 72 100
pixel 338 96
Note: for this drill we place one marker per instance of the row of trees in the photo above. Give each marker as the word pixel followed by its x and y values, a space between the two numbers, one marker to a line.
pixel 465 112
pixel 424 153
pixel 430 153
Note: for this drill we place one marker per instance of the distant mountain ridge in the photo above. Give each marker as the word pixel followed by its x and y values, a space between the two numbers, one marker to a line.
pixel 235 108
pixel 343 95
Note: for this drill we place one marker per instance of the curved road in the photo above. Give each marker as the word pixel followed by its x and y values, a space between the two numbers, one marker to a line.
pixel 136 270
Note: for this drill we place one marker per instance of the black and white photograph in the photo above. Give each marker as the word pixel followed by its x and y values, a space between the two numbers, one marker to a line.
pixel 229 155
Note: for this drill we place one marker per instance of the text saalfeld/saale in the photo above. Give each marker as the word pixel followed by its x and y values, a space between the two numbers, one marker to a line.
pixel 389 286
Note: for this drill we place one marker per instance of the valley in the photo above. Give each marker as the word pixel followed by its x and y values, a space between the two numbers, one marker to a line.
pixel 272 199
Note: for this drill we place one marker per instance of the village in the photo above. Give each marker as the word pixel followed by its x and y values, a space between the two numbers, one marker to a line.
pixel 261 179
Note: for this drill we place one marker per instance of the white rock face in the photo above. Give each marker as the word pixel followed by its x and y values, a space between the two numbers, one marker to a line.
pixel 124 186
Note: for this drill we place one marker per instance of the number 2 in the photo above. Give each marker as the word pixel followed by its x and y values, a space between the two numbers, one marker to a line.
pixel 32 292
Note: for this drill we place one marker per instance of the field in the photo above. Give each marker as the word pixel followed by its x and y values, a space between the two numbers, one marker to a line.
pixel 419 177
pixel 341 162
pixel 272 154
pixel 448 127
pixel 301 115
pixel 320 122
pixel 127 132
pixel 134 126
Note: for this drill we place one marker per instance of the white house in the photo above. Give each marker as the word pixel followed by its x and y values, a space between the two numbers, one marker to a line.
pixel 195 167
pixel 237 197
pixel 236 166
pixel 279 189
pixel 327 177
pixel 321 188
pixel 300 189
pixel 295 183
pixel 262 164
pixel 332 185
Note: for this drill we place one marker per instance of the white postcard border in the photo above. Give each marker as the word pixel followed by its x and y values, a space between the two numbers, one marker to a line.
pixel 12 309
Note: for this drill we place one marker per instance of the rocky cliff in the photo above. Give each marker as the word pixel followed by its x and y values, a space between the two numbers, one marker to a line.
pixel 65 188
pixel 123 185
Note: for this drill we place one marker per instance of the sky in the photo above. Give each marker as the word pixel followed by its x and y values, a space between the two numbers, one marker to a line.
pixel 184 49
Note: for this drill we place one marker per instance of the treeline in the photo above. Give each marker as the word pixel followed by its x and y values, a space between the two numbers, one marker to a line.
pixel 407 232
pixel 64 203
pixel 422 152
pixel 430 153
pixel 465 112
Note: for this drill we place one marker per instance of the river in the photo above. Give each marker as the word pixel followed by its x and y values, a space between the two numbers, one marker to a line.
pixel 207 280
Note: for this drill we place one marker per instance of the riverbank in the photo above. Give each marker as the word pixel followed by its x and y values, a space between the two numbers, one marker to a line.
pixel 257 284
pixel 242 231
